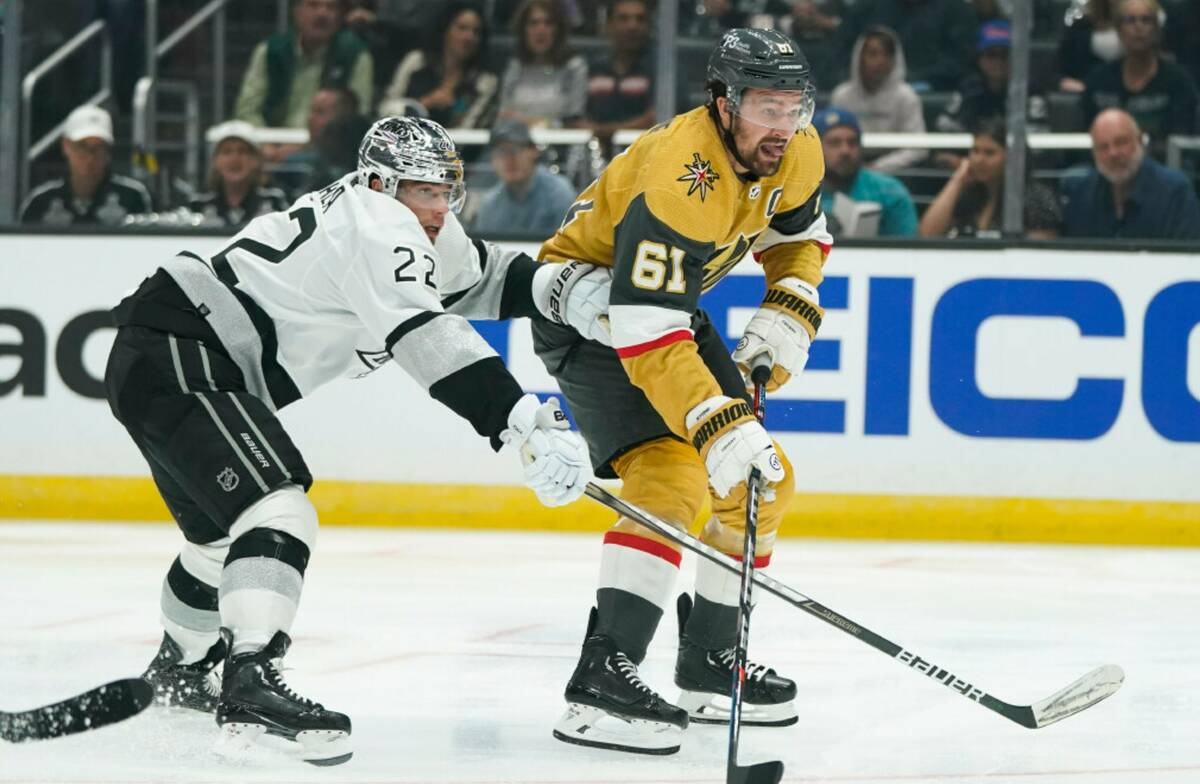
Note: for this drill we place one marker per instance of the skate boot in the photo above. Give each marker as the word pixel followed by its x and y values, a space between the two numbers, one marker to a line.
pixel 255 700
pixel 610 707
pixel 195 686
pixel 706 678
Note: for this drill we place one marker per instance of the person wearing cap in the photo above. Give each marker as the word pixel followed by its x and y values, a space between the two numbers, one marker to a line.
pixel 529 197
pixel 845 177
pixel 1159 93
pixel 235 194
pixel 90 194
pixel 983 94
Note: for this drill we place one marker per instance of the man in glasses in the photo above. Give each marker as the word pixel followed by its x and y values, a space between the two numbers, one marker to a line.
pixel 665 407
pixel 370 269
pixel 1159 94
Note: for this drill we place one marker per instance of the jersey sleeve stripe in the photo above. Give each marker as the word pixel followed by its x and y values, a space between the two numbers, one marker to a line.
pixel 629 352
pixel 645 545
pixel 407 326
pixel 440 347
pixel 816 232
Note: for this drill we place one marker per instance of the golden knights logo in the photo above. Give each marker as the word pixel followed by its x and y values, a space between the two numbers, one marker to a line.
pixel 227 479
pixel 700 176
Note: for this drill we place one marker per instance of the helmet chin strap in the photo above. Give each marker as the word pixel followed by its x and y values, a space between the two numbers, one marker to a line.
pixel 727 138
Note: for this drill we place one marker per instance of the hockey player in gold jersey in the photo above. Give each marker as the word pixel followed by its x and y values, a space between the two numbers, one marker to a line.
pixel 665 408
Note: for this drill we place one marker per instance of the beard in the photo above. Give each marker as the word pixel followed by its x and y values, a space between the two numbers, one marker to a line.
pixel 759 161
pixel 1121 174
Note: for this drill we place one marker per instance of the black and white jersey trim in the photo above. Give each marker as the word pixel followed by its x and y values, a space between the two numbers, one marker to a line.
pixel 439 347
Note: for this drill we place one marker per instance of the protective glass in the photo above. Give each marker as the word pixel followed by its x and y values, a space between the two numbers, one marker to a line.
pixel 783 110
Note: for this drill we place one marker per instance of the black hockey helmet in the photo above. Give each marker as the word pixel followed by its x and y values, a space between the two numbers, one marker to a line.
pixel 750 57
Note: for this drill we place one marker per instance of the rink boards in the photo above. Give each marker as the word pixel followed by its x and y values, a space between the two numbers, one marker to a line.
pixel 1008 394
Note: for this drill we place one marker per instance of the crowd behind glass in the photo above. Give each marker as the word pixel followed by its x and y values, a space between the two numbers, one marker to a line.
pixel 1123 71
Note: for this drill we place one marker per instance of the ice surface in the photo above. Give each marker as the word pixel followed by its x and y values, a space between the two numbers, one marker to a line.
pixel 450 650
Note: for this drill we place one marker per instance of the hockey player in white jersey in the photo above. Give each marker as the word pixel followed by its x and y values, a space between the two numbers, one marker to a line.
pixel 374 267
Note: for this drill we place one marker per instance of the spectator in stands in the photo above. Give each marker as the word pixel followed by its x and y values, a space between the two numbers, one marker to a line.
pixel 845 177
pixel 1128 194
pixel 1159 94
pixel 1183 36
pixel 529 197
pixel 970 203
pixel 1089 40
pixel 545 84
pixel 816 27
pixel 879 96
pixel 302 165
pixel 235 192
pixel 1043 214
pixel 286 70
pixel 91 194
pixel 936 36
pixel 620 88
pixel 984 93
pixel 388 38
pixel 447 76
pixel 337 149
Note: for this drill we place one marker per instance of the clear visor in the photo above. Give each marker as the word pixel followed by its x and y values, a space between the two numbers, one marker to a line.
pixel 782 110
pixel 429 195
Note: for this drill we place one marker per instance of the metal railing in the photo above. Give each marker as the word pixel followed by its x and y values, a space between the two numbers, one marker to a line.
pixel 142 125
pixel 30 149
pixel 145 107
pixel 1176 146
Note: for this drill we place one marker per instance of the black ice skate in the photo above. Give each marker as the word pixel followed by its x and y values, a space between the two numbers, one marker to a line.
pixel 255 700
pixel 609 707
pixel 195 686
pixel 706 678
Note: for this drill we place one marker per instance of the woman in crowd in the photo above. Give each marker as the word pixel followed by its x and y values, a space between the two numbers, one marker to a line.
pixel 446 77
pixel 971 203
pixel 1089 39
pixel 235 194
pixel 545 85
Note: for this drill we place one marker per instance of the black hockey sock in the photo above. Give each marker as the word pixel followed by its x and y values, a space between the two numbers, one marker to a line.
pixel 189 612
pixel 710 625
pixel 628 619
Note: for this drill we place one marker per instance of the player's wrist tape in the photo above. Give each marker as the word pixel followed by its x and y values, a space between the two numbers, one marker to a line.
pixel 556 286
pixel 709 426
pixel 784 299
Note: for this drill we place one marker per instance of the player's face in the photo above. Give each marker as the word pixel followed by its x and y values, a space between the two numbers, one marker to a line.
pixel 843 152
pixel 765 122
pixel 429 201
pixel 236 161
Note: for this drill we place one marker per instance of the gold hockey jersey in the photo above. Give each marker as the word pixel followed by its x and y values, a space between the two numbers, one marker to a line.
pixel 671 217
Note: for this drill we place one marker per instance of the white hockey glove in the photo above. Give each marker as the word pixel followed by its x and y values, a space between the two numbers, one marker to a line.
pixel 782 328
pixel 556 461
pixel 575 293
pixel 730 440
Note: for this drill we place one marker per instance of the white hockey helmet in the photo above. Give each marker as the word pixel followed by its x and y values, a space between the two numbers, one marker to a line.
pixel 411 148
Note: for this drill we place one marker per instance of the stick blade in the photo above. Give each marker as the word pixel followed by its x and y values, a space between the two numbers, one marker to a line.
pixel 1097 685
pixel 761 773
pixel 97 707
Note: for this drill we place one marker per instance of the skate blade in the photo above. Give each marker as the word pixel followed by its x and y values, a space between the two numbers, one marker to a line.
pixel 588 726
pixel 707 708
pixel 243 742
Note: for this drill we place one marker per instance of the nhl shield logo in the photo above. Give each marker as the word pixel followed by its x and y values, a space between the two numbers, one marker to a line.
pixel 227 479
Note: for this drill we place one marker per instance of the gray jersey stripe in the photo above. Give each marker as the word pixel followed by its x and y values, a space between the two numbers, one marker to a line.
pixel 261 438
pixel 232 444
pixel 440 347
pixel 227 318
pixel 207 367
pixel 178 363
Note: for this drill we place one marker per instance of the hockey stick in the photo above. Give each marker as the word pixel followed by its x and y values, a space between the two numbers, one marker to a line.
pixel 97 707
pixel 1079 695
pixel 762 772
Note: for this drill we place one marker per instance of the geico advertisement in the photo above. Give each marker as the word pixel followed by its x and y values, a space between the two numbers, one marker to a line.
pixel 1020 372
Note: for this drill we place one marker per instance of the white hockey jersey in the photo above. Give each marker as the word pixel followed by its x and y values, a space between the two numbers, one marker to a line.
pixel 342 281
